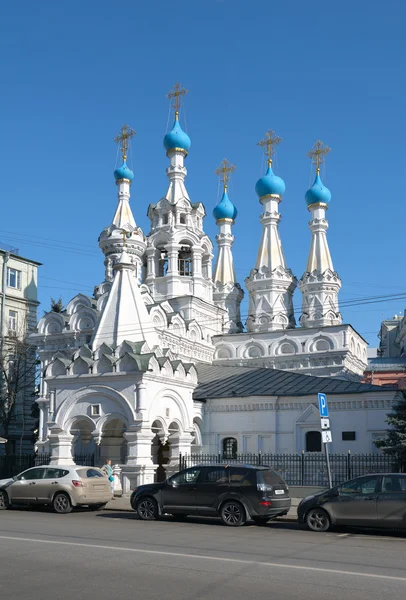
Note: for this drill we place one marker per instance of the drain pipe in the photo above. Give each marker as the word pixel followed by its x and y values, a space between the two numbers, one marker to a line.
pixel 6 257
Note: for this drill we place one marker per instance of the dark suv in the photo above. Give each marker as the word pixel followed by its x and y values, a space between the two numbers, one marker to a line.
pixel 233 492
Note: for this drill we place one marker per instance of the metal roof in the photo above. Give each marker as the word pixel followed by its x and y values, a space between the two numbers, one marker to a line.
pixel 230 382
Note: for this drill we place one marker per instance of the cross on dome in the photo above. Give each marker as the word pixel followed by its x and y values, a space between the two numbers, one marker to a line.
pixel 269 142
pixel 123 138
pixel 224 170
pixel 176 93
pixel 317 154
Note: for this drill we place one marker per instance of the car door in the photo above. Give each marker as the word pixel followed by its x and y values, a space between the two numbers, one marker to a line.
pixel 212 484
pixel 356 503
pixel 179 492
pixel 23 490
pixel 392 501
pixel 46 488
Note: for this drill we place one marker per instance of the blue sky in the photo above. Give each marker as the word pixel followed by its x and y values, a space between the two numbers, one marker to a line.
pixel 73 72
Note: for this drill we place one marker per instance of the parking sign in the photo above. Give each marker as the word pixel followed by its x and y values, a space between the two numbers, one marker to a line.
pixel 323 405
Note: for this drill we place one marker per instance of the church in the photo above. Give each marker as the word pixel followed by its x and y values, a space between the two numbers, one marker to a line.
pixel 158 363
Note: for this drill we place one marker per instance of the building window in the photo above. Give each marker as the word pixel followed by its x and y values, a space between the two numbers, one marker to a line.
pixel 185 263
pixel 95 410
pixel 12 320
pixel 313 441
pixel 182 219
pixel 162 262
pixel 13 278
pixel 229 447
pixel 348 436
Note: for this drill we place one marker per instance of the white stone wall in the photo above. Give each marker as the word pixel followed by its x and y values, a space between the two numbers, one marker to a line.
pixel 279 424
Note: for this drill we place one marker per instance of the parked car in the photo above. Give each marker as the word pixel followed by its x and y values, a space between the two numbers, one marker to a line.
pixel 368 501
pixel 59 486
pixel 233 492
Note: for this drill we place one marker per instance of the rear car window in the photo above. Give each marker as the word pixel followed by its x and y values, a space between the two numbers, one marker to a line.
pixel 88 473
pixel 243 477
pixel 269 477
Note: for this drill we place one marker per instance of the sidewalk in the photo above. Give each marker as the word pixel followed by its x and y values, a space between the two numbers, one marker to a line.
pixel 123 503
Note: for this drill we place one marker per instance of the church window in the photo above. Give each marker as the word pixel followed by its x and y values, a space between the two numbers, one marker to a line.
pixel 165 220
pixel 182 219
pixel 287 349
pixel 185 263
pixel 230 447
pixel 95 410
pixel 313 441
pixel 322 346
pixel 254 352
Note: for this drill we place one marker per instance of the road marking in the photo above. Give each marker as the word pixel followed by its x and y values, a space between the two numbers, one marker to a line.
pixel 204 557
pixel 343 535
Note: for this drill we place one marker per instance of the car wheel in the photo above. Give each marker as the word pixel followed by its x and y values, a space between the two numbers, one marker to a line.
pixel 318 520
pixel 97 506
pixel 260 520
pixel 61 504
pixel 233 513
pixel 147 509
pixel 4 501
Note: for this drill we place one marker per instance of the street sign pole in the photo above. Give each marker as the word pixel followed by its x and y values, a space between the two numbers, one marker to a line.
pixel 330 484
pixel 326 432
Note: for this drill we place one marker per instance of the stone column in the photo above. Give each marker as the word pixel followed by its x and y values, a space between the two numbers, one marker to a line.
pixel 61 447
pixel 139 468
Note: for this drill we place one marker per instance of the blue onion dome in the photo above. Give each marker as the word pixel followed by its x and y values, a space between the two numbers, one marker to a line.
pixel 318 193
pixel 123 172
pixel 225 209
pixel 270 184
pixel 177 138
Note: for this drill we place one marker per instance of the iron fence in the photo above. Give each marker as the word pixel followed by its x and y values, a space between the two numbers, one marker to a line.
pixel 12 464
pixel 305 468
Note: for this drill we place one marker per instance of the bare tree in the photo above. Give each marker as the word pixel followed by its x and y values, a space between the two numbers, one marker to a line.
pixel 18 375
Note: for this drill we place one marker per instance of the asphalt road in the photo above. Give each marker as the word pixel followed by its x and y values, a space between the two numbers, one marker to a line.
pixel 109 555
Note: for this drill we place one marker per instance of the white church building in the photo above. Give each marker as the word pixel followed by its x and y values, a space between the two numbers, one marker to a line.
pixel 157 363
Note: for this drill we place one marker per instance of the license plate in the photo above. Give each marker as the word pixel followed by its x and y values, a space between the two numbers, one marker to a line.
pixel 279 492
pixel 99 487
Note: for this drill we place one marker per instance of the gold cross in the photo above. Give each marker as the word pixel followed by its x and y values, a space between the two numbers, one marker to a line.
pixel 123 137
pixel 224 170
pixel 176 93
pixel 317 154
pixel 269 142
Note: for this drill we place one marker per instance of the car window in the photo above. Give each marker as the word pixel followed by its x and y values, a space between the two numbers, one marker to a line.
pixel 55 473
pixel 394 484
pixel 187 476
pixel 269 477
pixel 363 485
pixel 217 475
pixel 239 476
pixel 88 473
pixel 37 473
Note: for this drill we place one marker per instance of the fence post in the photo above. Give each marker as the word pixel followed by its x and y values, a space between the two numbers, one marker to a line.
pixel 303 468
pixel 180 461
pixel 219 458
pixel 349 464
pixel 260 458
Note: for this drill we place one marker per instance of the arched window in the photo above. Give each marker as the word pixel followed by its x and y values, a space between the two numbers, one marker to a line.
pixel 313 441
pixel 229 447
pixel 185 263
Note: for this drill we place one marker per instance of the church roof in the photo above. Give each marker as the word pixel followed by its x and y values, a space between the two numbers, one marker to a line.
pixel 230 382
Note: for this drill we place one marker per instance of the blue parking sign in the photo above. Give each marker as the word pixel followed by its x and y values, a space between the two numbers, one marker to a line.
pixel 323 405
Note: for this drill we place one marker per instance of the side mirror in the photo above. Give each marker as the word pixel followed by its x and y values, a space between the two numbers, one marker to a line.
pixel 334 493
pixel 174 484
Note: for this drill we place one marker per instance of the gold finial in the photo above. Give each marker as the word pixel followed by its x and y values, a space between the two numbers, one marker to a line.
pixel 224 171
pixel 126 235
pixel 317 154
pixel 269 142
pixel 122 138
pixel 176 94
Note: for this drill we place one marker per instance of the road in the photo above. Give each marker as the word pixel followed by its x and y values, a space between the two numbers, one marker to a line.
pixel 108 555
